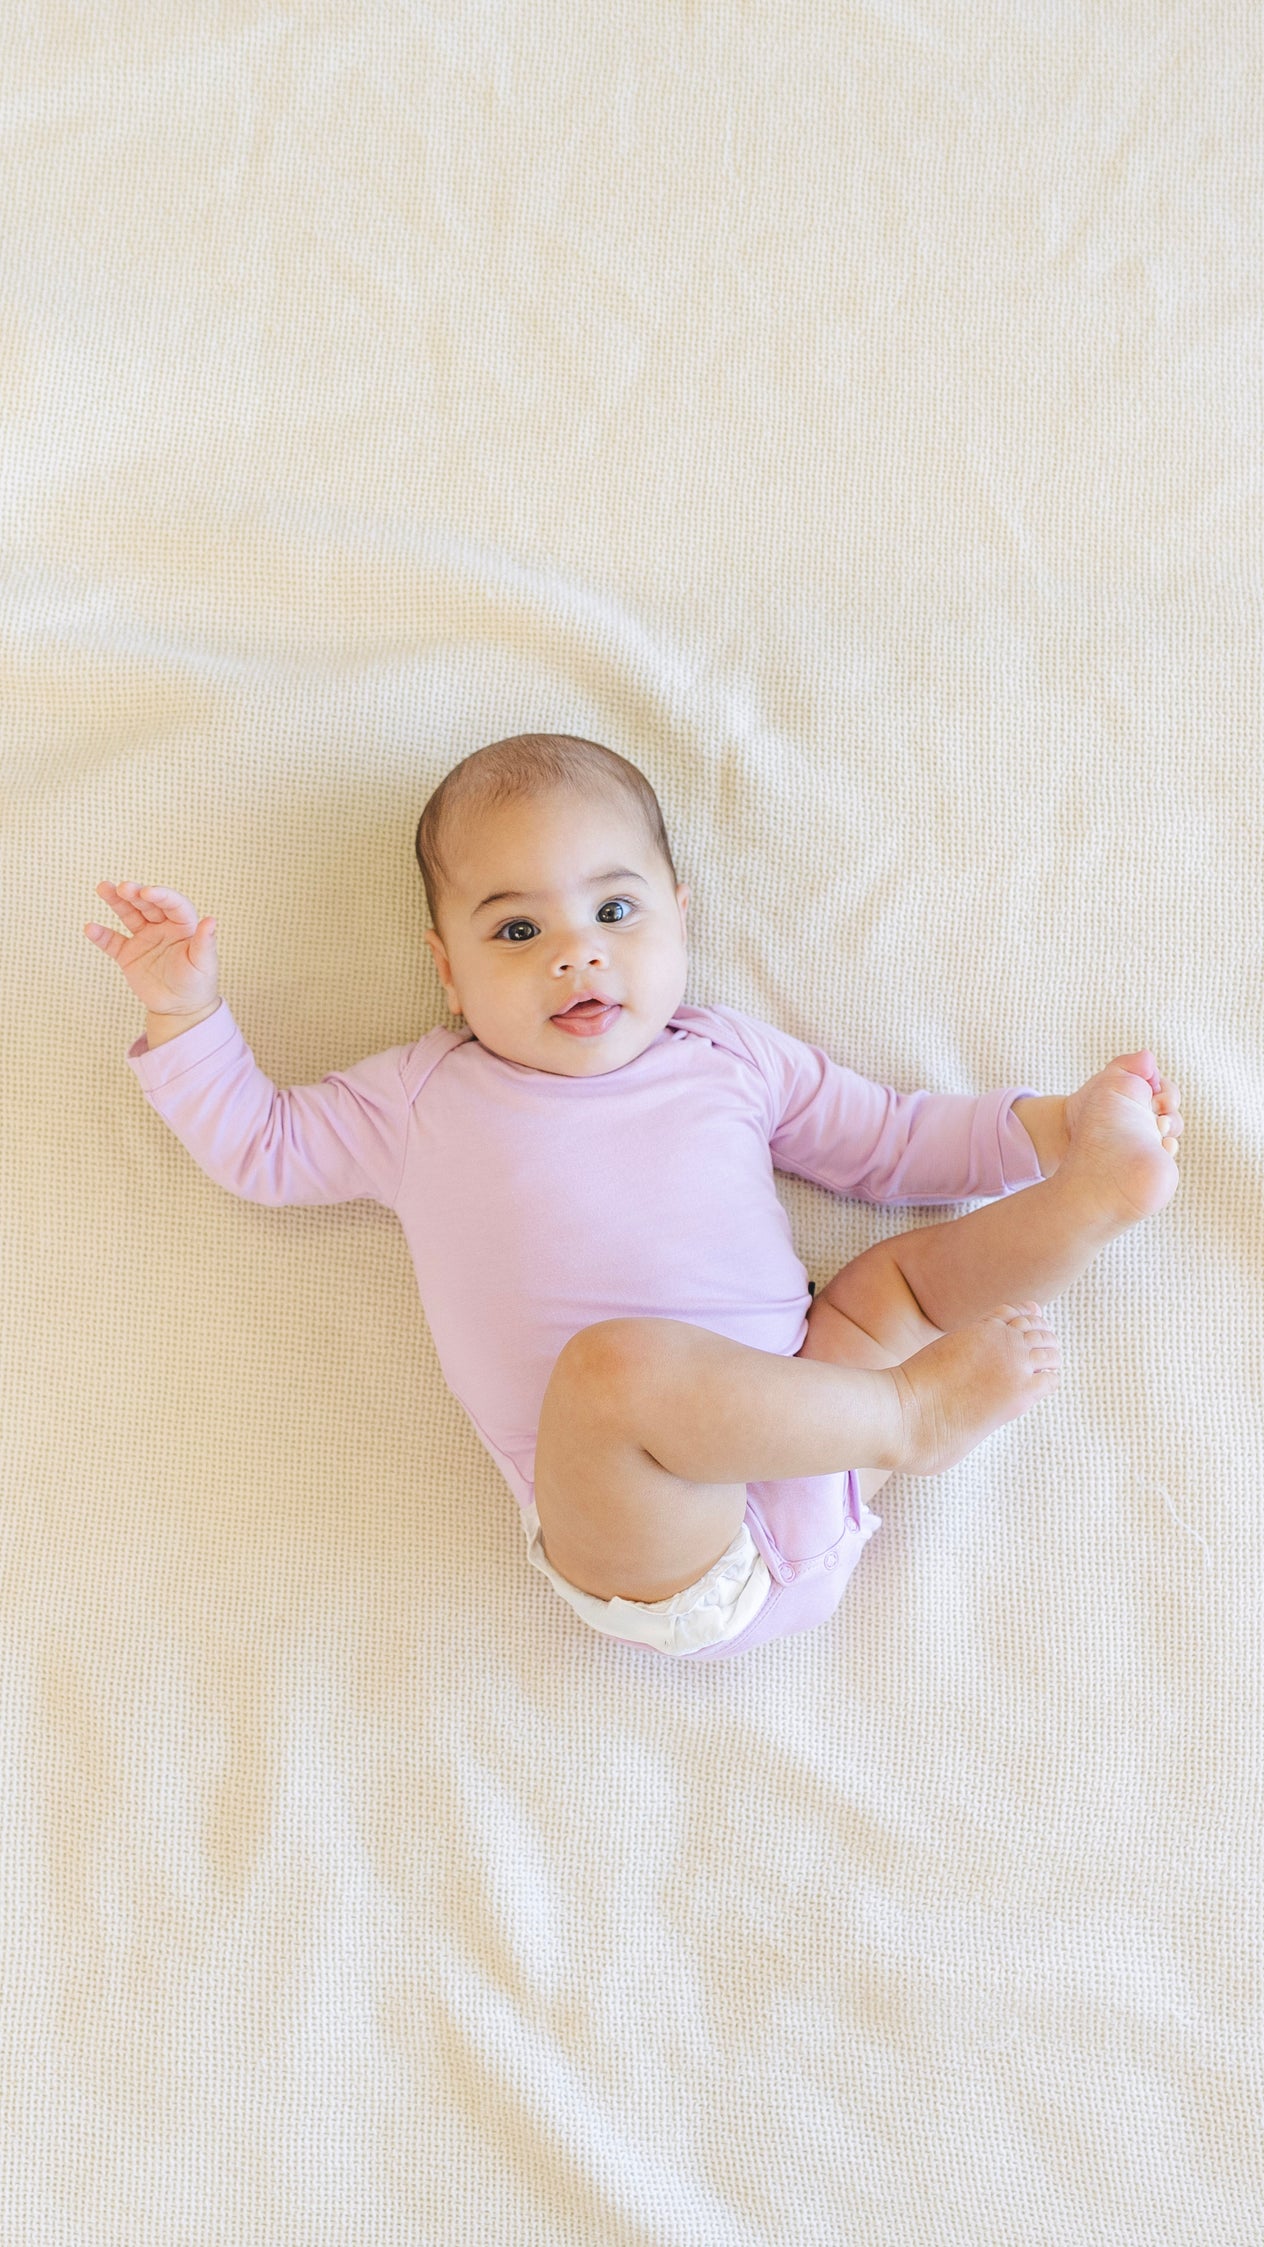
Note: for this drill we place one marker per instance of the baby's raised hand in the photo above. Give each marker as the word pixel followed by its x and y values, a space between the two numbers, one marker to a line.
pixel 169 956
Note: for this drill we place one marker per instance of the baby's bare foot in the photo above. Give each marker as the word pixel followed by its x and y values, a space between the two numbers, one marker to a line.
pixel 958 1389
pixel 1123 1127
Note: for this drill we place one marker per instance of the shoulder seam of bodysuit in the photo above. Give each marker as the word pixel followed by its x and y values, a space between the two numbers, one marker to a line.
pixel 413 1093
pixel 744 1053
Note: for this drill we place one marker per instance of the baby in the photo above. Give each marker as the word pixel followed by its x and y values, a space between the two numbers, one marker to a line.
pixel 584 1173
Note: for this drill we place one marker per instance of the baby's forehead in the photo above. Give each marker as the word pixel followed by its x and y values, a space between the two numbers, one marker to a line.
pixel 581 845
pixel 575 818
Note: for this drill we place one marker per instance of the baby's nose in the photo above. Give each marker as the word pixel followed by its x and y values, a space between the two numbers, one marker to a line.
pixel 581 951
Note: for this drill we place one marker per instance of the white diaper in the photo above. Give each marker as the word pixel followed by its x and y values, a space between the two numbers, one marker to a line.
pixel 709 1613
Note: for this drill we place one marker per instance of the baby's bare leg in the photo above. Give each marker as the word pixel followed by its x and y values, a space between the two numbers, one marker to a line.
pixel 1033 1246
pixel 651 1429
pixel 1037 1243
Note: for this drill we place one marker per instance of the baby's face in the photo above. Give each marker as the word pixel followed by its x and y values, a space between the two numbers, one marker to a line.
pixel 597 913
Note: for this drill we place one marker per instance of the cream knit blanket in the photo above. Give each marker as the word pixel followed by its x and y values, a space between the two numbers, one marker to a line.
pixel 852 414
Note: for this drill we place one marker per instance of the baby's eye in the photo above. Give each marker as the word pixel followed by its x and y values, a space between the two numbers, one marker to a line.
pixel 626 902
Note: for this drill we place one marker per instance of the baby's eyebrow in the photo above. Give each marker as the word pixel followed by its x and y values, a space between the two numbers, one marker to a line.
pixel 525 896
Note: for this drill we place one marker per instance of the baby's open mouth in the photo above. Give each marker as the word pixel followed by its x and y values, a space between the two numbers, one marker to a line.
pixel 585 1015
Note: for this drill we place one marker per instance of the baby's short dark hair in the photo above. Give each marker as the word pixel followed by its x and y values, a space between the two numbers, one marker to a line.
pixel 525 765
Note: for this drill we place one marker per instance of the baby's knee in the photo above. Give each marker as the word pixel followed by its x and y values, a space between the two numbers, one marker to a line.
pixel 592 1362
pixel 602 1361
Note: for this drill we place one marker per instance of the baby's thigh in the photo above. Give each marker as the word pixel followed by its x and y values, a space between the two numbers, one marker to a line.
pixel 613 1521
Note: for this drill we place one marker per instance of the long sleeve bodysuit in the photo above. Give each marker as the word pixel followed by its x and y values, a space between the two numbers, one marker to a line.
pixel 535 1204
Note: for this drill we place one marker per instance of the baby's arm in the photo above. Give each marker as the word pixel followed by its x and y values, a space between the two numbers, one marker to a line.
pixel 340 1140
pixel 160 1027
pixel 872 1143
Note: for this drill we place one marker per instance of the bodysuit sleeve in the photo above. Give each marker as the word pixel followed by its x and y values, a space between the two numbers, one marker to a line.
pixel 874 1144
pixel 340 1140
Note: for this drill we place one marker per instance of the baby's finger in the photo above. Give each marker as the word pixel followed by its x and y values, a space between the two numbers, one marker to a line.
pixel 142 901
pixel 128 913
pixel 125 898
pixel 173 907
pixel 111 940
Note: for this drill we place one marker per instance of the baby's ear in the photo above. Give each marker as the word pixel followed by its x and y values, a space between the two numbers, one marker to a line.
pixel 443 967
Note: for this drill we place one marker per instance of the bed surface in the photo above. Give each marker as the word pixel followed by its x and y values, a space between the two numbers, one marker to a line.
pixel 851 415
